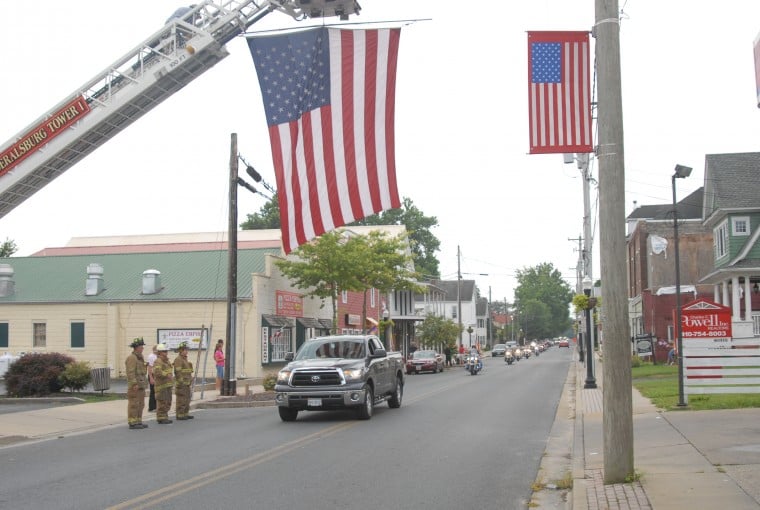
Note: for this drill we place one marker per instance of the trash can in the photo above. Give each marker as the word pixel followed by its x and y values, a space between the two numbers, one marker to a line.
pixel 101 379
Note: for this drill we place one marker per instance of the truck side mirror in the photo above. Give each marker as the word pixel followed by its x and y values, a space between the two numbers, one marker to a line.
pixel 379 353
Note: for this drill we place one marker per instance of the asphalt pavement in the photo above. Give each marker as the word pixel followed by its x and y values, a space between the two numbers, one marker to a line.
pixel 700 460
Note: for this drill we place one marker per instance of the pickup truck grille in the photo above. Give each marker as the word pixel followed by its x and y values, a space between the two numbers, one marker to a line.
pixel 329 377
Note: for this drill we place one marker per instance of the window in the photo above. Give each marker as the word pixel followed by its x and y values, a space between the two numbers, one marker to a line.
pixel 77 335
pixel 454 312
pixel 3 334
pixel 372 298
pixel 280 343
pixel 39 334
pixel 740 225
pixel 720 235
pixel 344 296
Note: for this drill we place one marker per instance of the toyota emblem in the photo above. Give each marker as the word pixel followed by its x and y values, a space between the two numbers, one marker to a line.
pixel 315 378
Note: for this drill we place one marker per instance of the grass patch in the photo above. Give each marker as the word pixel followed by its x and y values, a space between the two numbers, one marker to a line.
pixel 97 397
pixel 659 383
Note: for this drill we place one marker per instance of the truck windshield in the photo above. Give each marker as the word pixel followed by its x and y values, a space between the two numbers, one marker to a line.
pixel 352 349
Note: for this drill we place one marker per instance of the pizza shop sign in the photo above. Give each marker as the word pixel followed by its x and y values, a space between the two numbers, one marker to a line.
pixel 705 319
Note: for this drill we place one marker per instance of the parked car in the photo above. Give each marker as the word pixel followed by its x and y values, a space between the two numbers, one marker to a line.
pixel 564 343
pixel 424 361
pixel 498 350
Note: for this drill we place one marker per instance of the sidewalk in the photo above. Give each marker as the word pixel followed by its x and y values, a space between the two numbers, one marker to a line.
pixel 65 420
pixel 700 460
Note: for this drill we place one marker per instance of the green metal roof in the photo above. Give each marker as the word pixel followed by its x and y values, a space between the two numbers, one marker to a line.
pixel 185 276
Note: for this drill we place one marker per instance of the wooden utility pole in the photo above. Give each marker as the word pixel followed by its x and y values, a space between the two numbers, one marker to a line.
pixel 617 400
pixel 229 385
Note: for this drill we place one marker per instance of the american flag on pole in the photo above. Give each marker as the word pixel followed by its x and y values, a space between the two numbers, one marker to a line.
pixel 559 92
pixel 329 98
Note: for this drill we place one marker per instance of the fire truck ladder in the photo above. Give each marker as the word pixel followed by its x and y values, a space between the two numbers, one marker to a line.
pixel 186 47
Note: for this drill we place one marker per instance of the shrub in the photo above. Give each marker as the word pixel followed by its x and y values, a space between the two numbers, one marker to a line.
pixel 635 361
pixel 36 374
pixel 75 376
pixel 269 381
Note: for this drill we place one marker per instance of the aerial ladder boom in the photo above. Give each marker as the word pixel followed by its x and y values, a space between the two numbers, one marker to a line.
pixel 183 49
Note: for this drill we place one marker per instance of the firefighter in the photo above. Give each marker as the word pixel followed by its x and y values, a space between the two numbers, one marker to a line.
pixel 183 379
pixel 164 377
pixel 136 383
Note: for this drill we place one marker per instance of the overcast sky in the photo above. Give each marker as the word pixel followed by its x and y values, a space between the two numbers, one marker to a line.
pixel 461 122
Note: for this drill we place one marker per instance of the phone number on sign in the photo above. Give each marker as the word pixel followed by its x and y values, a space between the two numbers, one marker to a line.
pixel 705 334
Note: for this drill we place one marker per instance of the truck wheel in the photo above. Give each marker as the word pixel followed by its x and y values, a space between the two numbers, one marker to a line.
pixel 398 393
pixel 288 414
pixel 365 412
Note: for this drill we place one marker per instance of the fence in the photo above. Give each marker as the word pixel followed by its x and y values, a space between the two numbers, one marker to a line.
pixel 721 365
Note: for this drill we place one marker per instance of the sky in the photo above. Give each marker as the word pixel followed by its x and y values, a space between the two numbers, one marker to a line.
pixel 688 89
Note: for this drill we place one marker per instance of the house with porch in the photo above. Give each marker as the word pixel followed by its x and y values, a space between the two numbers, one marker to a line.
pixel 732 211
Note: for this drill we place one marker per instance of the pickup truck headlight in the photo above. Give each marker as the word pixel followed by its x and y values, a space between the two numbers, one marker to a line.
pixel 283 376
pixel 353 374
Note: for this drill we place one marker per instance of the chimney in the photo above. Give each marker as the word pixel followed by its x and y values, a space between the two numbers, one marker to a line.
pixel 7 285
pixel 94 284
pixel 151 281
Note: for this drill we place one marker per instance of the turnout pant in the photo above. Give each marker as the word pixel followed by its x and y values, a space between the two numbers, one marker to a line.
pixel 135 404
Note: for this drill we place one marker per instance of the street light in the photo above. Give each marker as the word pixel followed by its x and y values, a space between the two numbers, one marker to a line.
pixel 681 173
pixel 590 379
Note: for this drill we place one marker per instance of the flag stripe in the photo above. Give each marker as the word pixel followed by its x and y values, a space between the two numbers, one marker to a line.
pixel 390 193
pixel 559 92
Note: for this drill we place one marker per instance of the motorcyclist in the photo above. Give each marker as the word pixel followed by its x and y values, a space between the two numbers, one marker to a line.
pixel 474 351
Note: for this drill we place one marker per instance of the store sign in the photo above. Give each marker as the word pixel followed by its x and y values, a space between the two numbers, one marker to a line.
pixel 195 338
pixel 353 319
pixel 705 319
pixel 289 304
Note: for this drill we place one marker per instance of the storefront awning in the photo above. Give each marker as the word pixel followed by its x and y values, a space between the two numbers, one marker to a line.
pixel 276 321
pixel 309 322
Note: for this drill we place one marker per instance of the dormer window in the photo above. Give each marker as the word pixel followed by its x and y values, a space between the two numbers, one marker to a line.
pixel 740 225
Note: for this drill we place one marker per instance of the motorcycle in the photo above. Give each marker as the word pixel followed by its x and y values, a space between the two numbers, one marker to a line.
pixel 509 358
pixel 473 365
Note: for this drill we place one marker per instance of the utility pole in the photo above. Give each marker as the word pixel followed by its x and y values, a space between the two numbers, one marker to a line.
pixel 583 160
pixel 229 385
pixel 579 266
pixel 488 318
pixel 459 293
pixel 617 429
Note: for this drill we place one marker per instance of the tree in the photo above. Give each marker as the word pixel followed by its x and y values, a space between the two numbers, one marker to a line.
pixel 382 264
pixel 436 330
pixel 542 300
pixel 335 262
pixel 322 268
pixel 267 217
pixel 422 242
pixel 8 248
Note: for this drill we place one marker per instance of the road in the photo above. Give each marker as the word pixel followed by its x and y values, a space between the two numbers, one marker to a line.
pixel 457 441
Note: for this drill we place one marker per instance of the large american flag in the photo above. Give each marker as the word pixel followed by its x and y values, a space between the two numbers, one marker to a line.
pixel 329 98
pixel 559 94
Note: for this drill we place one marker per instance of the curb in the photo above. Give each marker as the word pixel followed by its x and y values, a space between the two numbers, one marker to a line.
pixel 232 405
